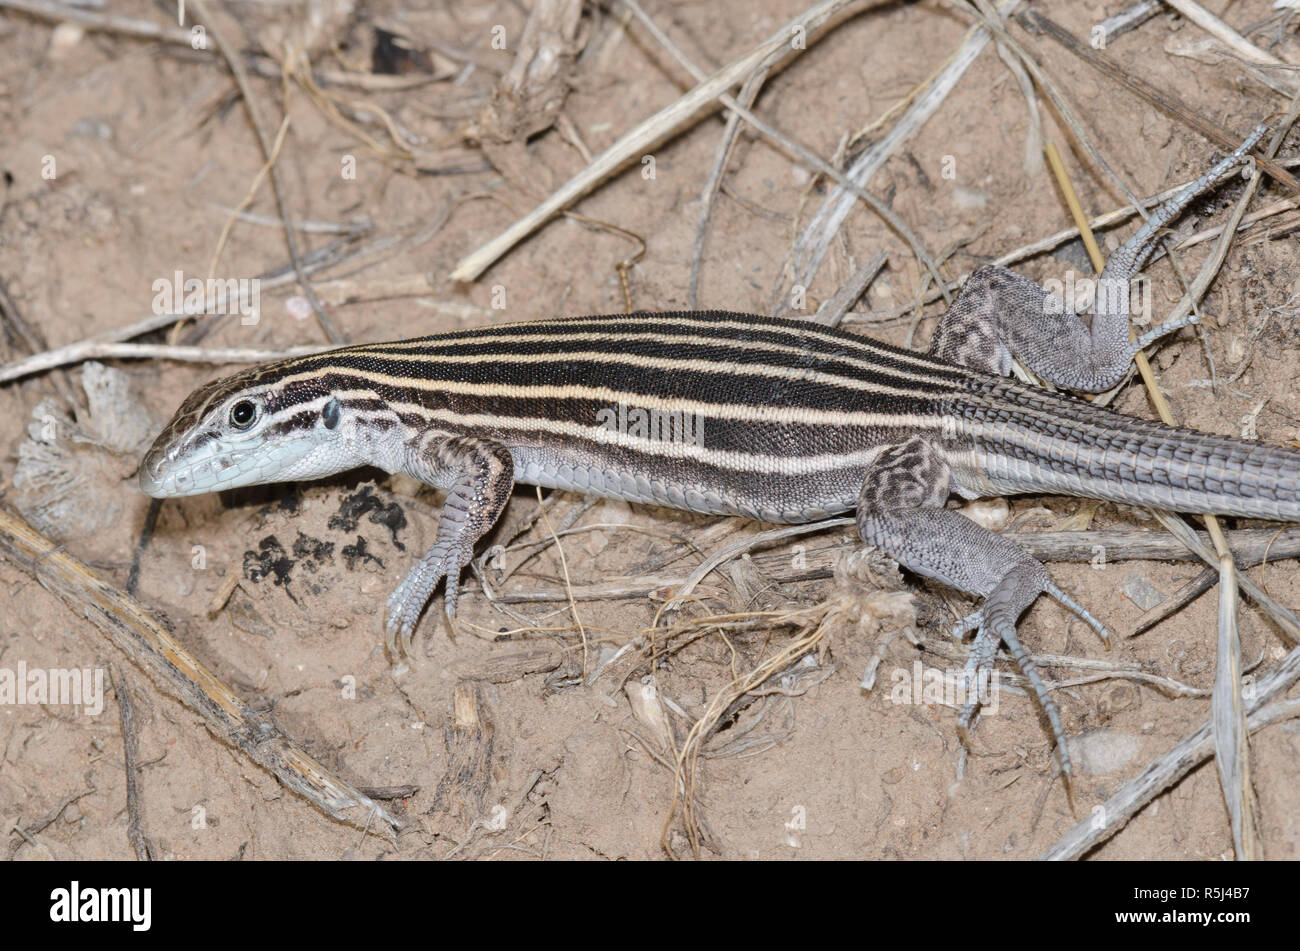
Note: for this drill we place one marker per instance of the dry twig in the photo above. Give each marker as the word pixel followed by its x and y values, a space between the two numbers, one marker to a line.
pixel 634 143
pixel 145 638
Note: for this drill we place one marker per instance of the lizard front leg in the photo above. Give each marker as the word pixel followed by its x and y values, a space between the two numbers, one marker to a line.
pixel 900 512
pixel 1000 314
pixel 481 474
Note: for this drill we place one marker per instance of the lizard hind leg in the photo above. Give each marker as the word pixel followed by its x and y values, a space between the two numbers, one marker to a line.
pixel 899 511
pixel 1000 314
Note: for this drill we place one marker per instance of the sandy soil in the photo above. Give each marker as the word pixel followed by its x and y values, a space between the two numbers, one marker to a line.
pixel 150 144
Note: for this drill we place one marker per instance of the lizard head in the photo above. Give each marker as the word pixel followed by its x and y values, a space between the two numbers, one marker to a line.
pixel 254 427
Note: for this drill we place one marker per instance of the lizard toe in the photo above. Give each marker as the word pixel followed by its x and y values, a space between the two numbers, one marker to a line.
pixel 406 603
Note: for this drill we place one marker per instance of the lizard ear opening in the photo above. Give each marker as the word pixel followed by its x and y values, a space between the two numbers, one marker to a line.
pixel 332 413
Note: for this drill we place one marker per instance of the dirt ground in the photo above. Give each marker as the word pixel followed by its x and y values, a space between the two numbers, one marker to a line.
pixel 150 149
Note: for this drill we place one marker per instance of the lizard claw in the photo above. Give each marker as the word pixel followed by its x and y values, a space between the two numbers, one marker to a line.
pixel 408 599
pixel 980 683
pixel 995 623
pixel 968 623
pixel 978 674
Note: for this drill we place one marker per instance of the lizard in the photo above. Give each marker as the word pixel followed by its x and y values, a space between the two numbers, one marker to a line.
pixel 775 419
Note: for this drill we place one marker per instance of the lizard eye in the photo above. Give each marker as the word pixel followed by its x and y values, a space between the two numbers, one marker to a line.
pixel 243 414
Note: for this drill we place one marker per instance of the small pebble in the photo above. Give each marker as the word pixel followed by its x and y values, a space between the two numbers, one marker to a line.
pixel 64 37
pixel 1142 592
pixel 970 198
pixel 1104 751
pixel 993 513
pixel 298 307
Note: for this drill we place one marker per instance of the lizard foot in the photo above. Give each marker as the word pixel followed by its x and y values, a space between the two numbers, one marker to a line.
pixel 405 604
pixel 994 624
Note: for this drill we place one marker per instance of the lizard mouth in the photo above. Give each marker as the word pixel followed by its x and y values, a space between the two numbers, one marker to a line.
pixel 152 481
pixel 163 478
pixel 211 464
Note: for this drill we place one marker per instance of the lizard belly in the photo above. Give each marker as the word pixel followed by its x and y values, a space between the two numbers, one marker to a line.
pixel 782 497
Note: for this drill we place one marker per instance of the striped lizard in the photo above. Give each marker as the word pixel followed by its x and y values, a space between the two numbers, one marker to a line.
pixel 789 421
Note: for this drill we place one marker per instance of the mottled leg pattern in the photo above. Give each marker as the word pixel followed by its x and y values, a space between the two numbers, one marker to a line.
pixel 971 332
pixel 899 512
pixel 1000 313
pixel 485 474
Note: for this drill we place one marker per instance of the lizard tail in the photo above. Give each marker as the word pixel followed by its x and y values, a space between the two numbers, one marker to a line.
pixel 1052 443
